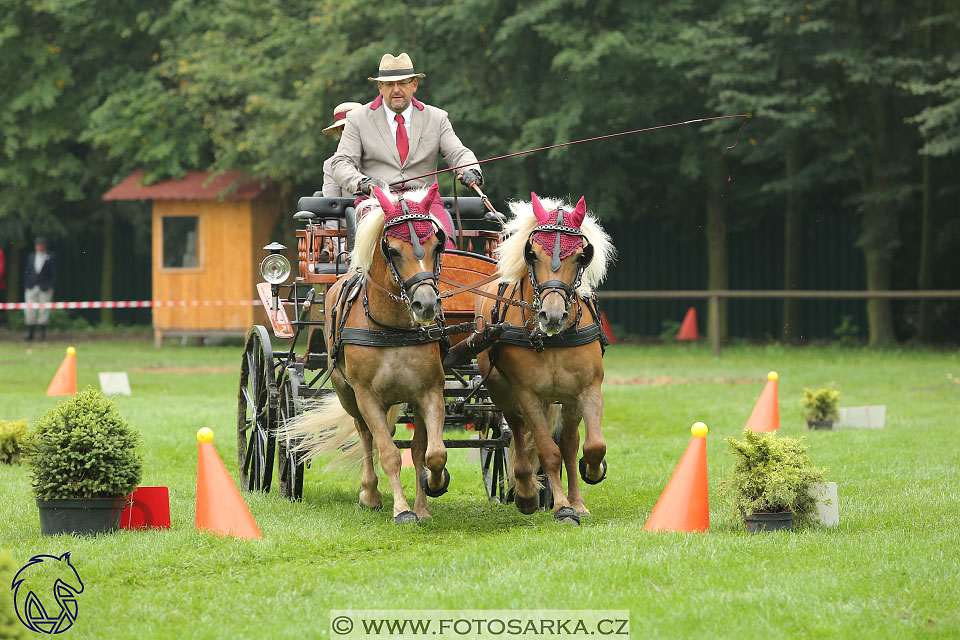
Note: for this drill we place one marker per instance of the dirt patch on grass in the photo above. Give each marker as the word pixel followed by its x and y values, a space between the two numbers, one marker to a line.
pixel 667 380
pixel 183 370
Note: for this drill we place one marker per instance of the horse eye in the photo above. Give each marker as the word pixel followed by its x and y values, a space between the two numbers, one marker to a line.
pixel 393 252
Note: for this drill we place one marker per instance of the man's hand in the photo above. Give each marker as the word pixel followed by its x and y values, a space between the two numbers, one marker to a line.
pixel 366 186
pixel 471 177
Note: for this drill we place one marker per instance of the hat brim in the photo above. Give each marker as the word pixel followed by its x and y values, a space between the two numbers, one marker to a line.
pixel 334 128
pixel 395 78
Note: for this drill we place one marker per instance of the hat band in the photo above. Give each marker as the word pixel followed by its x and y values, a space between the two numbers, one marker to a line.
pixel 398 72
pixel 337 117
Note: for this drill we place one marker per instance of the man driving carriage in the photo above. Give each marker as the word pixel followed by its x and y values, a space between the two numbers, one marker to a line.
pixel 396 137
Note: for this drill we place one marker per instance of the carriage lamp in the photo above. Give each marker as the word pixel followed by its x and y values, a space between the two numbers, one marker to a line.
pixel 275 269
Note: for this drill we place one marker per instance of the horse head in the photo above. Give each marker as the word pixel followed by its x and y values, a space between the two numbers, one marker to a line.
pixel 46 574
pixel 556 252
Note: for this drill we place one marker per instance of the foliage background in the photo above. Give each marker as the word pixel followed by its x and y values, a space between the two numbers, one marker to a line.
pixel 844 177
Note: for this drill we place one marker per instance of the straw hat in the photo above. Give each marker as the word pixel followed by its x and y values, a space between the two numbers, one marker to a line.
pixel 396 68
pixel 340 117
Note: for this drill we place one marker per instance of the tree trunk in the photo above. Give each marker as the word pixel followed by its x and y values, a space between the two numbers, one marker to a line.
pixel 718 275
pixel 879 235
pixel 14 274
pixel 792 246
pixel 927 230
pixel 927 240
pixel 106 274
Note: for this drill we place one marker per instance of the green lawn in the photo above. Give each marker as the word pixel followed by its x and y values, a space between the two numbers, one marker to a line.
pixel 888 570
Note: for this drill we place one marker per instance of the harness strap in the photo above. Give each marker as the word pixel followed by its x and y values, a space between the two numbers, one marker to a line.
pixel 572 337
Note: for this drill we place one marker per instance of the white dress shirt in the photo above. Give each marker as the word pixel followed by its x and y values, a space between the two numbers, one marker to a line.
pixel 40 258
pixel 393 123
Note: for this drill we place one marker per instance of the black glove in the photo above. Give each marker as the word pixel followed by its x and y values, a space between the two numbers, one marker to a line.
pixel 471 176
pixel 366 186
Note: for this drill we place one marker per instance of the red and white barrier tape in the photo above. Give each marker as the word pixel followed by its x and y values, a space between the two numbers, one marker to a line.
pixel 127 304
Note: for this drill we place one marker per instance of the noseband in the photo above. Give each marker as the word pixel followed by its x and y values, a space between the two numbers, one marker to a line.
pixel 542 289
pixel 409 286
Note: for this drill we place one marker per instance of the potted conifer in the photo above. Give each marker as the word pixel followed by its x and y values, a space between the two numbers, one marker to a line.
pixel 770 483
pixel 820 407
pixel 84 462
pixel 12 435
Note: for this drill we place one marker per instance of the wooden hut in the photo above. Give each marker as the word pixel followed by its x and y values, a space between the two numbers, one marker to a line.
pixel 208 239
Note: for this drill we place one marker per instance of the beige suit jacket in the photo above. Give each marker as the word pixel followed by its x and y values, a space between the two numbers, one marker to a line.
pixel 368 150
pixel 330 187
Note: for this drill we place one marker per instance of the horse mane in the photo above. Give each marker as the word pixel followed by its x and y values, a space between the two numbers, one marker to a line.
pixel 370 228
pixel 511 263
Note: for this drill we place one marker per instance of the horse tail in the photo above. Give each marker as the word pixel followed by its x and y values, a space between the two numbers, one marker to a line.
pixel 326 427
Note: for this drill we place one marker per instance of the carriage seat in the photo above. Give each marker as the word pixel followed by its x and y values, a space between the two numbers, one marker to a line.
pixel 470 209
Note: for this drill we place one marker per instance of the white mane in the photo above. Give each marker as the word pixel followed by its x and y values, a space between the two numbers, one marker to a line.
pixel 370 228
pixel 513 267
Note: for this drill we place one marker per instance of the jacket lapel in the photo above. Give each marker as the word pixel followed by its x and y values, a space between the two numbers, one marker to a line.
pixel 380 122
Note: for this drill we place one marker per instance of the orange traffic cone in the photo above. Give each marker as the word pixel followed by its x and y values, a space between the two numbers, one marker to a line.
pixel 606 328
pixel 688 328
pixel 766 414
pixel 220 509
pixel 684 504
pixel 64 381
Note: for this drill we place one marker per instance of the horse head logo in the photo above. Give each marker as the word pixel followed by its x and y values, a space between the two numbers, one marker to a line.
pixel 55 580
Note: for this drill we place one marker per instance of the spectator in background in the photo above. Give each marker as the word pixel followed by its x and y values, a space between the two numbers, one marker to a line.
pixel 41 275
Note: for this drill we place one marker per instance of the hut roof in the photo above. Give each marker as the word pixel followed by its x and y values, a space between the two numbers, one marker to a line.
pixel 230 185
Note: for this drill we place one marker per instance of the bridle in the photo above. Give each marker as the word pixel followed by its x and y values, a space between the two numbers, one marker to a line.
pixel 542 289
pixel 410 285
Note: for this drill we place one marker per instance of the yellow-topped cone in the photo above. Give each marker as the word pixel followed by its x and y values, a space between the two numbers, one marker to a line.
pixel 220 507
pixel 684 504
pixel 766 414
pixel 64 381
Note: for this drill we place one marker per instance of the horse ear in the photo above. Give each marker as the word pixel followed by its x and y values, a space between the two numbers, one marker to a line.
pixel 384 200
pixel 579 212
pixel 433 194
pixel 542 216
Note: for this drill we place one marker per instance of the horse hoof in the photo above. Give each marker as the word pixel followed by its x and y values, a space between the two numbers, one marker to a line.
pixel 527 505
pixel 376 507
pixel 426 487
pixel 405 517
pixel 583 471
pixel 567 515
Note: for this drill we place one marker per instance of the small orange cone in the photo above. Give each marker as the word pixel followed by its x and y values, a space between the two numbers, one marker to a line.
pixel 684 504
pixel 220 509
pixel 766 414
pixel 64 381
pixel 688 328
pixel 606 328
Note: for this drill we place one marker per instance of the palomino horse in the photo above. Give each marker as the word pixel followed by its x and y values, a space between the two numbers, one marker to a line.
pixel 550 263
pixel 382 355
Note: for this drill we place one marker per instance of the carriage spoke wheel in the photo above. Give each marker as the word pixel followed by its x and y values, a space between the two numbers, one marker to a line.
pixel 494 461
pixel 289 461
pixel 256 412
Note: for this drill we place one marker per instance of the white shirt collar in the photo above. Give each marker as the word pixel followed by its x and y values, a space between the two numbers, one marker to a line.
pixel 390 113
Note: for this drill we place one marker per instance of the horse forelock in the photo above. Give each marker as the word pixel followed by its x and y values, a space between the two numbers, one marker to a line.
pixel 511 263
pixel 370 228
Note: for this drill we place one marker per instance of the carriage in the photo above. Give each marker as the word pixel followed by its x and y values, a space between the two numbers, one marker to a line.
pixel 277 382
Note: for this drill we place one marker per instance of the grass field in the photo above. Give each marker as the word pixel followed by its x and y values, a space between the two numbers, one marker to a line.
pixel 890 569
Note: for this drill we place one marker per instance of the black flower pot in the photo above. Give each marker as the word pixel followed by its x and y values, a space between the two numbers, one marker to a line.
pixel 81 516
pixel 820 424
pixel 757 522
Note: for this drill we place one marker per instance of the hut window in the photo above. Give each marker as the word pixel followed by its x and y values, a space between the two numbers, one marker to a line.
pixel 180 242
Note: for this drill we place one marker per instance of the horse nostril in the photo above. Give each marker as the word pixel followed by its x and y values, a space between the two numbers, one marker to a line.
pixel 417 306
pixel 542 317
pixel 564 317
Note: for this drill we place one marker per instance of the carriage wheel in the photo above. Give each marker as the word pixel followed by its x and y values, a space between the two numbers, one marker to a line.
pixel 289 463
pixel 256 412
pixel 494 462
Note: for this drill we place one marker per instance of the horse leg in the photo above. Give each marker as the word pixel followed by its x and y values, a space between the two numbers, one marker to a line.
pixel 521 469
pixel 593 467
pixel 434 478
pixel 375 415
pixel 536 414
pixel 418 448
pixel 370 496
pixel 569 448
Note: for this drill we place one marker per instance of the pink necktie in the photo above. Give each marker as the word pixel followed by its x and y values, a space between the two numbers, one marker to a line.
pixel 403 146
